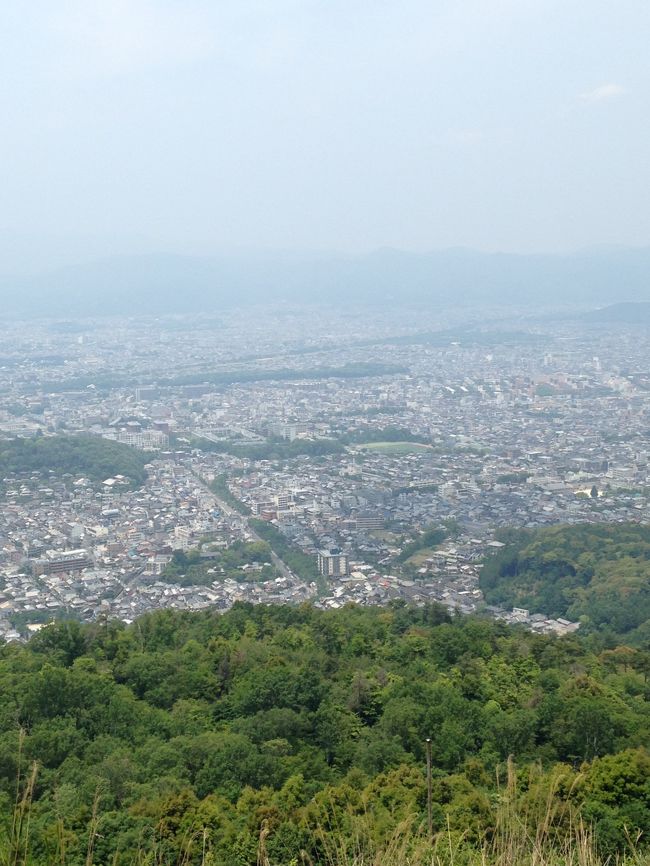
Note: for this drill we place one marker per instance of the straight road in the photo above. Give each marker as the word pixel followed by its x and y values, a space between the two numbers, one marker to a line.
pixel 236 517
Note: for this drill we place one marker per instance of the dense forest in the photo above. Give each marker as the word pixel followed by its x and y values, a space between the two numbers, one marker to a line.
pixel 89 456
pixel 598 574
pixel 284 735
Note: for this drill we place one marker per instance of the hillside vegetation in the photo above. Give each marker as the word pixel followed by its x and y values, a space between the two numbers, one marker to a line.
pixel 597 573
pixel 285 735
pixel 90 456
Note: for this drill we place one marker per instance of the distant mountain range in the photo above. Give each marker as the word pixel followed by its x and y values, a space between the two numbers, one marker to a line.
pixel 166 283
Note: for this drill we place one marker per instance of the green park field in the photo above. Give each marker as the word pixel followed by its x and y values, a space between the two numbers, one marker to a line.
pixel 396 449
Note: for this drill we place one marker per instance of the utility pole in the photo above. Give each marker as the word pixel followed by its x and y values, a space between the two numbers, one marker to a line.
pixel 429 790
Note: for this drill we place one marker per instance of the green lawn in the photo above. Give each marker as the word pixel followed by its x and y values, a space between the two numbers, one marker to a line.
pixel 418 559
pixel 397 449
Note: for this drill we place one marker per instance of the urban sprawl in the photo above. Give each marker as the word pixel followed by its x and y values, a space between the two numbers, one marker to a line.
pixel 347 435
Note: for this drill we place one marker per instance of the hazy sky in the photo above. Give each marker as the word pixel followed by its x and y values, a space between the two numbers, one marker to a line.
pixel 325 124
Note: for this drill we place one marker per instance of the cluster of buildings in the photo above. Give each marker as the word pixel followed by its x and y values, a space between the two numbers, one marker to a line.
pixel 486 428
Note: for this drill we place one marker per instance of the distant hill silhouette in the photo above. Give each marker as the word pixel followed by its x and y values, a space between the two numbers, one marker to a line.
pixel 169 283
pixel 628 312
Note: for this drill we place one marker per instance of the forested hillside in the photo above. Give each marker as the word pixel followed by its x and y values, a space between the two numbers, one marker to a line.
pixel 90 456
pixel 285 733
pixel 597 573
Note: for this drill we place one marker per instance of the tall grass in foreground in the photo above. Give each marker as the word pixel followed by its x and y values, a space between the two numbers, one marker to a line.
pixel 540 830
pixel 521 849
